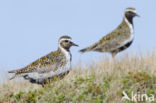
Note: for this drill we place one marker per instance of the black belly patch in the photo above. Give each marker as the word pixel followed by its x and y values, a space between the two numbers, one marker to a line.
pixel 123 47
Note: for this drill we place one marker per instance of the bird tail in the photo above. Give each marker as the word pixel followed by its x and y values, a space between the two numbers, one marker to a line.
pixel 13 71
pixel 90 48
pixel 12 77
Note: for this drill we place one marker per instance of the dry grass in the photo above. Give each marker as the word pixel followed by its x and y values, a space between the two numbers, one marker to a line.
pixel 102 81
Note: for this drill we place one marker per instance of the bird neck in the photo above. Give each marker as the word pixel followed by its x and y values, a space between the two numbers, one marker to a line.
pixel 129 23
pixel 129 19
pixel 64 50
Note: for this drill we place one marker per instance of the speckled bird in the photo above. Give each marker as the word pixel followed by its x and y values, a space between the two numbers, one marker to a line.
pixel 119 39
pixel 56 63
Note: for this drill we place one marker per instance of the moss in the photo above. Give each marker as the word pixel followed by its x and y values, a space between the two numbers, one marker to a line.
pixel 101 83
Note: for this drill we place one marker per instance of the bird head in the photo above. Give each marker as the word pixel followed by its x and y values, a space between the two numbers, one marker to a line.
pixel 130 13
pixel 66 42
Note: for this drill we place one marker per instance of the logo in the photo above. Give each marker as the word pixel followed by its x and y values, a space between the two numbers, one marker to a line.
pixel 137 97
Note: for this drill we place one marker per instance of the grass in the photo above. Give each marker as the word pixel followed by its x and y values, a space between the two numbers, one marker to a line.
pixel 102 81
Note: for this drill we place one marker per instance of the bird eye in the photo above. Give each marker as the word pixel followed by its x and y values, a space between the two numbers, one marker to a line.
pixel 66 41
pixel 130 12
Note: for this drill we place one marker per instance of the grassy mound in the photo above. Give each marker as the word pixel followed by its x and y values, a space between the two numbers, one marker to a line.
pixel 100 82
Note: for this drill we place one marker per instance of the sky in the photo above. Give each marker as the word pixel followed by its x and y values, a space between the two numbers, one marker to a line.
pixel 29 29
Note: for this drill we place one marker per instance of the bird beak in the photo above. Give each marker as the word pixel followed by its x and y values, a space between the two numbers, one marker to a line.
pixel 137 15
pixel 73 44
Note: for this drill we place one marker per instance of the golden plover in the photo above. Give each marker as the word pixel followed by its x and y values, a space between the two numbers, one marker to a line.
pixel 55 63
pixel 119 39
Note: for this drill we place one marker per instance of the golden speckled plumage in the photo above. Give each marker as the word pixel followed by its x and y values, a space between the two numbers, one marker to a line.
pixel 49 59
pixel 53 64
pixel 117 40
pixel 122 32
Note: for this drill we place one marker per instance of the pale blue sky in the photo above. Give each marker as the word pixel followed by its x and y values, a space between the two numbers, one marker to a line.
pixel 30 29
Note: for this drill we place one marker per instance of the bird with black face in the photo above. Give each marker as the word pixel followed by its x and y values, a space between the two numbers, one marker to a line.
pixel 55 64
pixel 119 39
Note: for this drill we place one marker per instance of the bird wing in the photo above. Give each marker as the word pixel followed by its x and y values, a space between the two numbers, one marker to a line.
pixel 114 39
pixel 42 65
